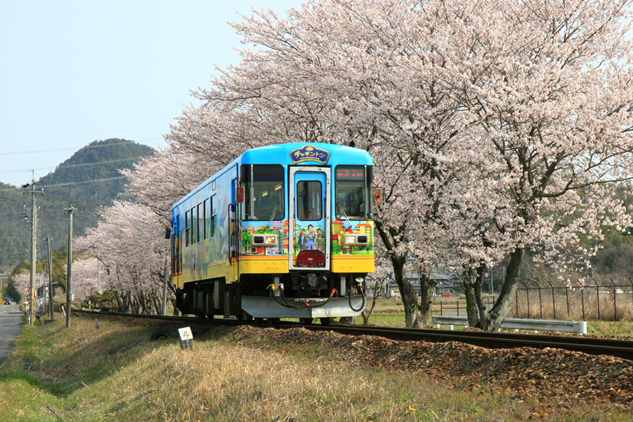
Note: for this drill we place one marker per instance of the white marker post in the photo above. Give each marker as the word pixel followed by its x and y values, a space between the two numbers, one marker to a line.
pixel 186 338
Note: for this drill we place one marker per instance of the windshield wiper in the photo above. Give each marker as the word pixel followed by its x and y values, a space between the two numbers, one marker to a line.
pixel 343 212
pixel 272 215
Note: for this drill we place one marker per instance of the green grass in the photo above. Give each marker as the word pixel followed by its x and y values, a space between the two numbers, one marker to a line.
pixel 610 328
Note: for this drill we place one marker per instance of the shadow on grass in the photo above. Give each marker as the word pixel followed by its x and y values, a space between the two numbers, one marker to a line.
pixel 90 359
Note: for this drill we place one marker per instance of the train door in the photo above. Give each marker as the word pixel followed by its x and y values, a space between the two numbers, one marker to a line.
pixel 233 231
pixel 309 218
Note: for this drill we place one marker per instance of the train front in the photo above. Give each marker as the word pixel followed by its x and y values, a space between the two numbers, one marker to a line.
pixel 306 231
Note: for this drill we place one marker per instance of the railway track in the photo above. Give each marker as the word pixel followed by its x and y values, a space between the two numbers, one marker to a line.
pixel 493 340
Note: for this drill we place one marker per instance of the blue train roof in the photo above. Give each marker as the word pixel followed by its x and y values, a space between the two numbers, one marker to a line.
pixel 299 153
pixel 307 153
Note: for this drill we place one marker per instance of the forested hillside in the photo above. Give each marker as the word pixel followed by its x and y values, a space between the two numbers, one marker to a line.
pixel 87 180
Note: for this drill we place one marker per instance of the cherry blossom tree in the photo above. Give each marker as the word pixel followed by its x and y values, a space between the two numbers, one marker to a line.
pixel 496 127
pixel 548 89
pixel 129 242
pixel 86 278
pixel 22 283
pixel 300 88
pixel 158 181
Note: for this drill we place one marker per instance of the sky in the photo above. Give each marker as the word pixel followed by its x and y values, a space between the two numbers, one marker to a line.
pixel 74 72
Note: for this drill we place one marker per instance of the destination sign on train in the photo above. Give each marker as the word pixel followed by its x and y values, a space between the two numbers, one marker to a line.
pixel 350 174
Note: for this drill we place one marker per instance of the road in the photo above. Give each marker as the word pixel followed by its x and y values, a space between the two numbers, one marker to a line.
pixel 11 321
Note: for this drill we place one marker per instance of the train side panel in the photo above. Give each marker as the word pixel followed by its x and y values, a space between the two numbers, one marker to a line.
pixel 201 225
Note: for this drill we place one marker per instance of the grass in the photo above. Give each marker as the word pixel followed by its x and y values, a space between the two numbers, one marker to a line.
pixel 610 328
pixel 113 373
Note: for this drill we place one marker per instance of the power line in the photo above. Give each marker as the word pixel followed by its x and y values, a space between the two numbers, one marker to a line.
pixel 76 165
pixel 71 183
pixel 83 182
pixel 76 148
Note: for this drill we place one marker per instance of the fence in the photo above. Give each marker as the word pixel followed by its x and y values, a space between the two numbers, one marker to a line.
pixel 598 300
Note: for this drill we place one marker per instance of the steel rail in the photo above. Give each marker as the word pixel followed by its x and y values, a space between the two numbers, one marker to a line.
pixel 492 340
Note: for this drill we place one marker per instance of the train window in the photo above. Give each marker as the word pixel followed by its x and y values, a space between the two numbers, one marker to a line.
pixel 187 227
pixel 200 223
pixel 194 225
pixel 309 200
pixel 205 222
pixel 264 192
pixel 351 192
pixel 212 218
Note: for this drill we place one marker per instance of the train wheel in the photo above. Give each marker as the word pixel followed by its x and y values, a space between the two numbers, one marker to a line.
pixel 326 321
pixel 243 317
pixel 347 320
pixel 308 321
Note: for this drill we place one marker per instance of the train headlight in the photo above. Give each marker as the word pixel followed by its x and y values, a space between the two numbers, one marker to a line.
pixel 265 240
pixel 356 239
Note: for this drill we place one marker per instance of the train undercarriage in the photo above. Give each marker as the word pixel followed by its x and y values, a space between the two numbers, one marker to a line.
pixel 303 295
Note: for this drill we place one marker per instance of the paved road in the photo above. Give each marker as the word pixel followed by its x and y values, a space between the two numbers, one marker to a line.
pixel 11 320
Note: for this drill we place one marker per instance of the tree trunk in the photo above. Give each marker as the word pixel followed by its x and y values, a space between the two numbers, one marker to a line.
pixel 472 310
pixel 475 305
pixel 412 312
pixel 504 302
pixel 127 305
pixel 158 305
pixel 427 288
pixel 478 315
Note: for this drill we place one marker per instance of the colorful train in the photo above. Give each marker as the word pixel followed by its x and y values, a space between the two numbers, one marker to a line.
pixel 283 231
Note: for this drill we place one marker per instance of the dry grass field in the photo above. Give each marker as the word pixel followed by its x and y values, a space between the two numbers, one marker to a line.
pixel 113 372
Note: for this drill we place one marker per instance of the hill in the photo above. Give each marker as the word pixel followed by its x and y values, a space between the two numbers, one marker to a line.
pixel 92 175
pixel 89 179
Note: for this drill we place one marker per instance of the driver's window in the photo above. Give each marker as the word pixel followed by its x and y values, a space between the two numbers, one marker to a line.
pixel 309 200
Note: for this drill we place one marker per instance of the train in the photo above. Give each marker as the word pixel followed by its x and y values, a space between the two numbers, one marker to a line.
pixel 283 231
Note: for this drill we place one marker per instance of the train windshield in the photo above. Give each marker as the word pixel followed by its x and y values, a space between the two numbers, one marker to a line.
pixel 309 200
pixel 352 187
pixel 264 192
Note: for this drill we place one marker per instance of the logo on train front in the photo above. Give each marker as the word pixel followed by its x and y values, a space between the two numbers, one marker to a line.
pixel 309 153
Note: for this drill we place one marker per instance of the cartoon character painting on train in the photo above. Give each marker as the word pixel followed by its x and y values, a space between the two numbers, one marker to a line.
pixel 309 238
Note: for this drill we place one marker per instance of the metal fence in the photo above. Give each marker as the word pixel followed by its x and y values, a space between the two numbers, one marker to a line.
pixel 449 307
pixel 605 300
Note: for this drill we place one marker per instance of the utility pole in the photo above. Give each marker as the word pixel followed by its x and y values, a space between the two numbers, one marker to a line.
pixel 165 279
pixel 33 246
pixel 69 296
pixel 50 277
